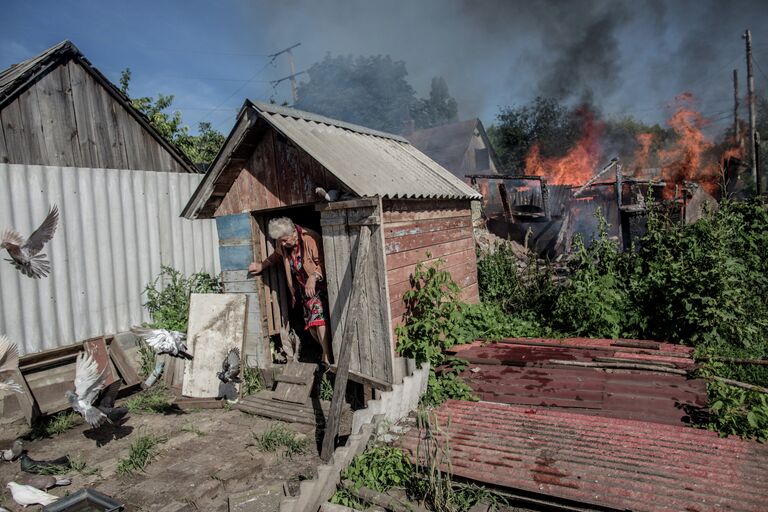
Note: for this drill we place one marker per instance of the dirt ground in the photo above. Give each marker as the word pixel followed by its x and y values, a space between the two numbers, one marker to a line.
pixel 208 455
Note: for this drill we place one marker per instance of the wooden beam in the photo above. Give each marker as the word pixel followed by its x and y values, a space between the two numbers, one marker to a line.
pixel 345 350
pixel 366 380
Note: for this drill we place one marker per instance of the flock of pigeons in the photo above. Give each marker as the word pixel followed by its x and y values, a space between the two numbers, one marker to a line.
pixel 27 257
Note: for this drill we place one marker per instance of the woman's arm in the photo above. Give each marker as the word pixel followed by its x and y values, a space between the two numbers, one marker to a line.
pixel 258 267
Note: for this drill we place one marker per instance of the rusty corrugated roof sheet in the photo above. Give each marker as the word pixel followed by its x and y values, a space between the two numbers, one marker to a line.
pixel 604 462
pixel 522 372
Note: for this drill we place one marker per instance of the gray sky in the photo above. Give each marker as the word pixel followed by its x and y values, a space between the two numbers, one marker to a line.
pixel 631 58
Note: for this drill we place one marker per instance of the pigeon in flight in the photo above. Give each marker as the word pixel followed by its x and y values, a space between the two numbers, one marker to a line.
pixel 26 495
pixel 230 368
pixel 88 383
pixel 9 361
pixel 14 451
pixel 25 254
pixel 163 341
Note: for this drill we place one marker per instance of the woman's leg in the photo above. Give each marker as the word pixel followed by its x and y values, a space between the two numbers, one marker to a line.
pixel 320 333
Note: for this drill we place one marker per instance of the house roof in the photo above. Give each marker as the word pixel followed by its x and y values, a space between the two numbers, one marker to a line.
pixel 368 162
pixel 554 457
pixel 19 77
pixel 448 144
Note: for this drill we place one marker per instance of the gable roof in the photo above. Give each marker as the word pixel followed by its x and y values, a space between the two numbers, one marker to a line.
pixel 447 144
pixel 19 77
pixel 368 162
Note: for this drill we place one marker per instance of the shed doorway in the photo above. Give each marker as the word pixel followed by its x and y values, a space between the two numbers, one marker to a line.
pixel 281 317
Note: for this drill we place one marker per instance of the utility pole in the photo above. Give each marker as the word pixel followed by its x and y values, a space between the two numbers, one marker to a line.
pixel 294 91
pixel 293 74
pixel 751 100
pixel 736 134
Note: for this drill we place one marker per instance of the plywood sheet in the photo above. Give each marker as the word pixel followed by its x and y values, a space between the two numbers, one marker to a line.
pixel 217 323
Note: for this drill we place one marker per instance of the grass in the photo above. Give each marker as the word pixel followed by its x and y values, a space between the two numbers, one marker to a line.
pixel 192 429
pixel 152 400
pixel 252 382
pixel 56 424
pixel 326 388
pixel 147 360
pixel 277 436
pixel 140 454
pixel 82 468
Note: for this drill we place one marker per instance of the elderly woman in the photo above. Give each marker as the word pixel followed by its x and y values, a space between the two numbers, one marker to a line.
pixel 299 249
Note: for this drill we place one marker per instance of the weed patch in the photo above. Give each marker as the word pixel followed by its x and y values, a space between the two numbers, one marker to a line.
pixel 277 437
pixel 140 454
pixel 152 400
pixel 56 424
pixel 168 296
pixel 252 382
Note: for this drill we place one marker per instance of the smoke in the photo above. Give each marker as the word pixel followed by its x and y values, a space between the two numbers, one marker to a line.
pixel 631 58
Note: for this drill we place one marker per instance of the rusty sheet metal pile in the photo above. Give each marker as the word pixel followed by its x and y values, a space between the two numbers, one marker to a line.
pixel 620 464
pixel 543 372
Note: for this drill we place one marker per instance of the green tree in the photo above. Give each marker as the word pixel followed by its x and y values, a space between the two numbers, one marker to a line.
pixel 370 91
pixel 545 121
pixel 201 148
pixel 373 91
pixel 439 108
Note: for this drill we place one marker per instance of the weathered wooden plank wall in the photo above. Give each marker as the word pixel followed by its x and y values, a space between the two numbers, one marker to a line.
pixel 413 228
pixel 372 350
pixel 69 119
pixel 277 175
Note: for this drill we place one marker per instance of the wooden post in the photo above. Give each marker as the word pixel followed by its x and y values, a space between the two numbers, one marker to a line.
pixel 345 349
pixel 751 104
pixel 736 135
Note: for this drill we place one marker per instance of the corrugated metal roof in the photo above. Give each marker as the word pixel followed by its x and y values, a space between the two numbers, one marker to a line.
pixel 370 163
pixel 521 372
pixel 620 464
pixel 116 228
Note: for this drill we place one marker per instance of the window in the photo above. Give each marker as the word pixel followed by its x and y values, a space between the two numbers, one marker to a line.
pixel 482 159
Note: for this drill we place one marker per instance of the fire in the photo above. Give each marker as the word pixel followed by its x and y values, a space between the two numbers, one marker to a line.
pixel 579 163
pixel 643 153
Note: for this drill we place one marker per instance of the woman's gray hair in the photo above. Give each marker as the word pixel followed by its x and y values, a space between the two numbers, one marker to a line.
pixel 280 227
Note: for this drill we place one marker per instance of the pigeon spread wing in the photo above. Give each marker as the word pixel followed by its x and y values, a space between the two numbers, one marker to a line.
pixel 159 339
pixel 88 380
pixel 9 354
pixel 11 236
pixel 44 233
pixel 233 361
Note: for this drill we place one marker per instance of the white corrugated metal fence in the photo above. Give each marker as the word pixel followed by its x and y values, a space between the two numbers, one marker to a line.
pixel 116 228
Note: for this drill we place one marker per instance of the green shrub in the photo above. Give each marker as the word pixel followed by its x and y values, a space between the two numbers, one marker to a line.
pixel 168 297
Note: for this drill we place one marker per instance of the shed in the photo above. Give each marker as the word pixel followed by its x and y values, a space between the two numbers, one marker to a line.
pixel 57 109
pixel 414 209
pixel 462 147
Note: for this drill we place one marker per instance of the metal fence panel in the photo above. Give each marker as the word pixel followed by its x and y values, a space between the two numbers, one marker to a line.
pixel 116 228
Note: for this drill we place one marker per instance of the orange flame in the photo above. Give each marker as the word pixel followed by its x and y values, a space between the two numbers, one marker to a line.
pixel 579 163
pixel 643 153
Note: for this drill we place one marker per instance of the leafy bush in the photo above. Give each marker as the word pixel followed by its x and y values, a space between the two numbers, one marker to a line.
pixel 738 411
pixel 168 296
pixel 527 292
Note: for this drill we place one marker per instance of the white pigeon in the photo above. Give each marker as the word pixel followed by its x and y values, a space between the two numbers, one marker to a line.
pixel 163 341
pixel 88 383
pixel 25 254
pixel 26 495
pixel 9 361
pixel 328 195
